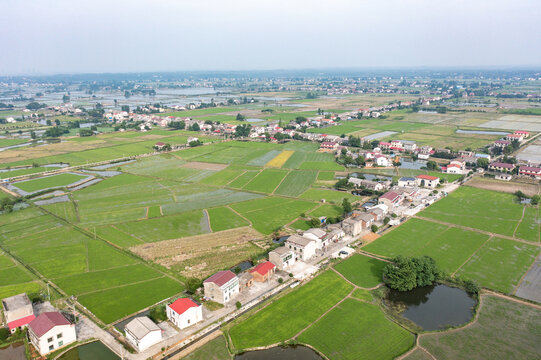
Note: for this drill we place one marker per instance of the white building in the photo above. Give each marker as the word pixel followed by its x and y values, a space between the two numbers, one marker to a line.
pixel 18 312
pixel 282 257
pixel 382 160
pixel 50 331
pixel 318 235
pixel 142 333
pixel 302 247
pixel 406 181
pixel 222 286
pixel 184 312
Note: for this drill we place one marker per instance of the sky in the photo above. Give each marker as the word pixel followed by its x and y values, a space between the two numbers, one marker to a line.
pixel 80 36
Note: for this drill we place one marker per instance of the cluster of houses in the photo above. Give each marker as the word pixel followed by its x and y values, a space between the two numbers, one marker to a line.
pixel 504 171
pixel 48 332
pixel 518 135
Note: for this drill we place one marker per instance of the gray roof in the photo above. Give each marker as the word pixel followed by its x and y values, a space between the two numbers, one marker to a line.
pixel 317 232
pixel 406 179
pixel 366 217
pixel 281 250
pixel 299 240
pixel 141 326
pixel 15 302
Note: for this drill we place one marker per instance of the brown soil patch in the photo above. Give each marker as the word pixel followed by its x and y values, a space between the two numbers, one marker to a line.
pixel 370 237
pixel 204 166
pixel 503 186
pixel 202 255
pixel 151 136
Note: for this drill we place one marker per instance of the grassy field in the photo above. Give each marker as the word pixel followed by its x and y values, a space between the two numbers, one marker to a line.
pixel 216 349
pixel 477 208
pixel 504 330
pixel 48 182
pixel 223 218
pixel 266 181
pixel 289 314
pixel 296 182
pixel 362 270
pixel 332 196
pixel 357 330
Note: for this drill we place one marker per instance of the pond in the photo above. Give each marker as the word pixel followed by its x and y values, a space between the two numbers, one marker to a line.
pixel 282 353
pixel 280 240
pixel 482 132
pixel 254 120
pixel 13 352
pixel 91 351
pixel 435 307
pixel 372 177
pixel 408 163
pixel 379 135
pixel 245 265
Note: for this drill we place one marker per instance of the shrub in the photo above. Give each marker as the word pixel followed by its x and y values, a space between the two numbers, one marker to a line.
pixel 238 304
pixel 4 334
pixel 280 280
pixel 192 284
pixel 157 314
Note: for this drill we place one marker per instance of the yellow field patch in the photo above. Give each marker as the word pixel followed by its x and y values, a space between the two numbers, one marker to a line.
pixel 280 159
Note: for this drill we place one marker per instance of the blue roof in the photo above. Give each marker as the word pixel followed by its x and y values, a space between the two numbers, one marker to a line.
pixel 486 156
pixel 407 179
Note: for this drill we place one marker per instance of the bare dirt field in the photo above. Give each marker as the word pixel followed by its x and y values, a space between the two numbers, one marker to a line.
pixel 530 286
pixel 504 186
pixel 204 166
pixel 201 255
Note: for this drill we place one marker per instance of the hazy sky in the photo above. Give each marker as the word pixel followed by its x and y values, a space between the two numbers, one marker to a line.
pixel 67 36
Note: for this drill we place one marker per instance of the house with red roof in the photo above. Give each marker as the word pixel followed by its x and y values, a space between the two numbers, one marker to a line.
pixel 391 199
pixel 525 134
pixel 501 166
pixel 51 331
pixel 328 145
pixel 531 171
pixel 18 312
pixel 263 272
pixel 516 137
pixel 221 287
pixel 502 143
pixel 427 181
pixel 184 312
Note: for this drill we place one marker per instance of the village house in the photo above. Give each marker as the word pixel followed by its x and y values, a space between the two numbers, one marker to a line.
pixel 51 331
pixel 377 213
pixel 18 312
pixel 406 181
pixel 302 247
pixel 503 176
pixel 352 226
pixel 263 272
pixel 390 199
pixel 245 281
pixel 382 160
pixel 282 257
pixel 384 145
pixel 530 171
pixel 524 134
pixel 502 143
pixel 512 137
pixel 142 333
pixel 335 234
pixel 185 312
pixel 222 286
pixel 456 166
pixel 427 181
pixel 366 219
pixel 159 145
pixel 318 235
pixel 500 166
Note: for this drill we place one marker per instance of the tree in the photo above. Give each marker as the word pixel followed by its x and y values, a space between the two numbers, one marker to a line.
pixel 300 119
pixel 346 206
pixel 192 284
pixel 194 127
pixel 4 334
pixel 342 184
pixel 405 274
pixel 431 165
pixel 482 163
pixel 354 141
pixel 158 314
pixel 535 199
pixel 242 130
pixel 374 228
pixel 178 125
pixel 314 222
pixel 85 132
pixel 33 134
pixel 125 108
pixel 520 195
pixel 195 143
pixel 35 106
pixel 65 98
pixel 240 117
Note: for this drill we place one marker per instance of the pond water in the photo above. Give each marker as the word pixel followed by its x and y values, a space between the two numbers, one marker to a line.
pixel 245 265
pixel 379 135
pixel 371 177
pixel 280 240
pixel 13 352
pixel 482 132
pixel 91 351
pixel 407 163
pixel 255 120
pixel 282 353
pixel 435 307
pixel 108 166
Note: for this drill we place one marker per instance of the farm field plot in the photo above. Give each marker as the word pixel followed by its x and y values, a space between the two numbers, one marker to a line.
pixel 295 160
pixel 166 227
pixel 13 275
pixel 500 264
pixel 164 166
pixel 264 159
pixel 279 160
pixel 450 247
pixel 243 179
pixel 65 210
pixel 29 288
pixel 530 226
pixel 300 224
pixel 200 200
pixel 321 165
pixel 154 211
pixel 327 210
pixel 223 177
pixel 112 234
pixel 268 214
pixel 201 255
pixel 223 218
pixel 289 314
pixel 296 182
pixel 326 175
pixel 48 182
pixel 266 181
pixel 215 349
pixel 504 186
pixel 505 329
pixel 481 209
pixel 333 196
pixel 362 270
pixel 15 172
pixel 357 330
pixel 113 304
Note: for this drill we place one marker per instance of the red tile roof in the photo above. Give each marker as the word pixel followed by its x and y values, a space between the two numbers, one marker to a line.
pixel 160 143
pixel 221 277
pixel 21 322
pixel 180 306
pixel 390 195
pixel 426 177
pixel 263 268
pixel 502 165
pixel 46 321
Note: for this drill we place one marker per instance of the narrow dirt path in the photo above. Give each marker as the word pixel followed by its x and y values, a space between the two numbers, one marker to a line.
pixel 377 257
pixel 510 298
pixel 520 221
pixel 239 214
pixel 472 255
pixel 355 287
pixel 208 219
